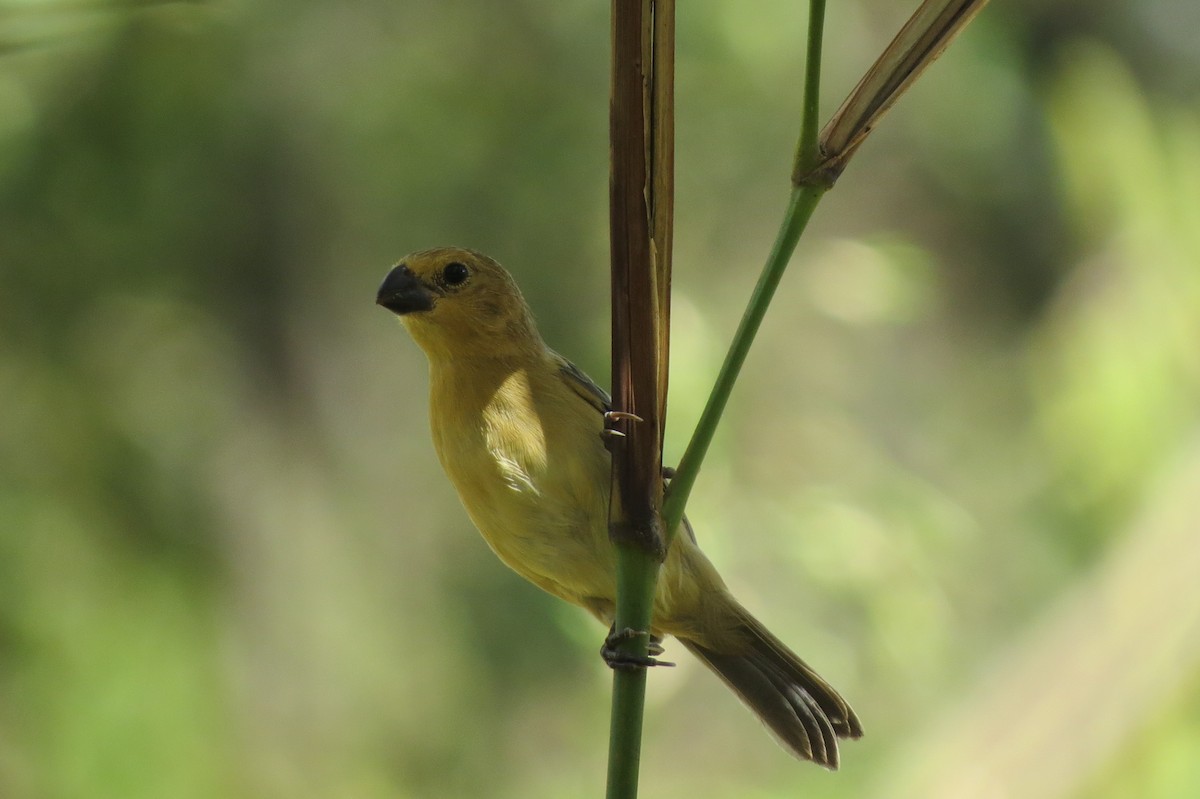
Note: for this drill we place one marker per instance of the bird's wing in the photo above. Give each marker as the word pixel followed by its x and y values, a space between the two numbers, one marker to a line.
pixel 584 386
pixel 599 399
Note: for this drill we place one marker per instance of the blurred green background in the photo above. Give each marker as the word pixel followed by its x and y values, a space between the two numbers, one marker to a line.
pixel 961 474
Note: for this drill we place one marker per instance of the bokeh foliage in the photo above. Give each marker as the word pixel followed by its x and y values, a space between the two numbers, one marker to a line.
pixel 961 468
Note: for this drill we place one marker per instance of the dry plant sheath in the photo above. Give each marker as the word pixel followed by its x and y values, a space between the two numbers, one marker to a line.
pixel 662 185
pixel 639 282
pixel 923 38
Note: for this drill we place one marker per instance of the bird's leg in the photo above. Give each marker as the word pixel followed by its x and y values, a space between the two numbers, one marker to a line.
pixel 616 659
pixel 611 435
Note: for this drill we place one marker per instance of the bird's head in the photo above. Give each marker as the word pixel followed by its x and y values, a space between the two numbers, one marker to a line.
pixel 457 302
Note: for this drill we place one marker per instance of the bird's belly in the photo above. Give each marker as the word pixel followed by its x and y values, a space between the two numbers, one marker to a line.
pixel 550 537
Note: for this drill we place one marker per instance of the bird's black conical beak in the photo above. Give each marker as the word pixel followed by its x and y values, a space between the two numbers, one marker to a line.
pixel 403 292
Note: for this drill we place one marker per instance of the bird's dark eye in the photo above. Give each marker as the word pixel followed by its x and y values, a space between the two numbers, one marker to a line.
pixel 455 274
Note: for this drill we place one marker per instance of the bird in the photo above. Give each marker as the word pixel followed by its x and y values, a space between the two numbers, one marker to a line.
pixel 518 430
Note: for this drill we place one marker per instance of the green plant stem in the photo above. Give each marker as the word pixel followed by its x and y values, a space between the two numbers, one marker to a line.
pixel 800 209
pixel 641 137
pixel 808 153
pixel 637 569
pixel 637 572
pixel 804 200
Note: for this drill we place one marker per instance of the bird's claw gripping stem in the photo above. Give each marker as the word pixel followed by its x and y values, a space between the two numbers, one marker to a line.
pixel 616 659
pixel 611 434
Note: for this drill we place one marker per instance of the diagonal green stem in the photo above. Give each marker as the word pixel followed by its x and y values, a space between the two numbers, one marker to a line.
pixel 636 572
pixel 804 200
pixel 800 209
pixel 807 149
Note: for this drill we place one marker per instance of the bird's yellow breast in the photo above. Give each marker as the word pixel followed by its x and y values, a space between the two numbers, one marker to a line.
pixel 527 460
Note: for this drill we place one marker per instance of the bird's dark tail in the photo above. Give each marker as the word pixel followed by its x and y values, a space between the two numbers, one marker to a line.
pixel 804 712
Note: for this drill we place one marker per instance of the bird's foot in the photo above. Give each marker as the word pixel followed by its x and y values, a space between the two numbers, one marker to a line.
pixel 611 435
pixel 616 659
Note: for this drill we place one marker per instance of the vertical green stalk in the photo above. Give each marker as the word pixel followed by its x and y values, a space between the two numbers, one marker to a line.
pixel 641 200
pixel 803 202
pixel 636 575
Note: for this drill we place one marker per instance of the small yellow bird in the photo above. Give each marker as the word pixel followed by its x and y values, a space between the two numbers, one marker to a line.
pixel 518 430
